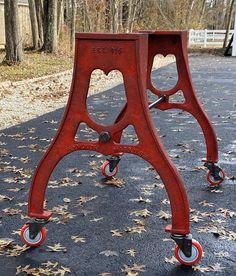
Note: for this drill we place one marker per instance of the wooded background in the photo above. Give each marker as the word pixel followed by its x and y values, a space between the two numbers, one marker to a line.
pixel 54 22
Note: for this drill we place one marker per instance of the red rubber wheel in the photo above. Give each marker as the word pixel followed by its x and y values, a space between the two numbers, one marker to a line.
pixel 212 181
pixel 39 239
pixel 194 258
pixel 106 170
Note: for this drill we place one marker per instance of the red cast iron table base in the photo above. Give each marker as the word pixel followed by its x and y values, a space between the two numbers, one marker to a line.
pixel 127 53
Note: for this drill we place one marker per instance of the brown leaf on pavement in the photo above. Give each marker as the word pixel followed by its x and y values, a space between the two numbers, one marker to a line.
pixel 56 248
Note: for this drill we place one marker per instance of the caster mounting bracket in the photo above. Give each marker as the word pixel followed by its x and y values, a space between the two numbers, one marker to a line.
pixel 35 227
pixel 184 242
pixel 113 162
pixel 214 170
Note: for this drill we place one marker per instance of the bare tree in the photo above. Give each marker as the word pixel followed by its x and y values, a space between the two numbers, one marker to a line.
pixel 114 23
pixel 87 18
pixel 229 23
pixel 73 19
pixel 14 51
pixel 132 12
pixel 34 25
pixel 59 15
pixel 39 13
pixel 50 26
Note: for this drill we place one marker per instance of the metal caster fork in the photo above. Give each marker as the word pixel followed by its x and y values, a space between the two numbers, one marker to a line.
pixel 110 166
pixel 215 175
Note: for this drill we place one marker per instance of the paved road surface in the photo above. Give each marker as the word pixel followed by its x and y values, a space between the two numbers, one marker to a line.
pixel 89 208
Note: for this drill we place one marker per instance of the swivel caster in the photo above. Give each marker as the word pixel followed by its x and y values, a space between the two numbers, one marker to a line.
pixel 33 234
pixel 187 251
pixel 215 180
pixel 215 175
pixel 110 166
pixel 195 257
pixel 106 170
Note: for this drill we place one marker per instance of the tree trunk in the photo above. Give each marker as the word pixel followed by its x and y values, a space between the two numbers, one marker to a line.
pixel 14 51
pixel 73 20
pixel 34 25
pixel 189 12
pixel 229 23
pixel 50 26
pixel 107 15
pixel 87 23
pixel 129 16
pixel 59 16
pixel 39 14
pixel 121 16
pixel 66 11
pixel 202 10
pixel 134 11
pixel 114 23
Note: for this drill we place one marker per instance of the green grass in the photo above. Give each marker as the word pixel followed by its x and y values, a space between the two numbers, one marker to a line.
pixel 34 65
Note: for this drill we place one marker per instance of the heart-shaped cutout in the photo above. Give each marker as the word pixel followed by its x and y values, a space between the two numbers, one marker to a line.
pixel 106 96
pixel 164 75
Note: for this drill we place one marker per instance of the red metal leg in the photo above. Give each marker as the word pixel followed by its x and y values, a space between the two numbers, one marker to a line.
pixel 176 43
pixel 40 180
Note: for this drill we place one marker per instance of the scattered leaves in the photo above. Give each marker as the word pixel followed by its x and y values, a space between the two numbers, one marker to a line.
pixel 11 211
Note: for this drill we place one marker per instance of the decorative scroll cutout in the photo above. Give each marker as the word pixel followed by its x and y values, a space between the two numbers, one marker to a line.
pixel 85 133
pixel 178 97
pixel 129 136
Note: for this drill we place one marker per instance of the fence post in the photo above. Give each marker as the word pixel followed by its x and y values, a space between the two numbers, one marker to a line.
pixel 190 35
pixel 234 40
pixel 205 38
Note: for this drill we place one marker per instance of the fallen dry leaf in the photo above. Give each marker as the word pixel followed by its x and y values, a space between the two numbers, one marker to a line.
pixel 77 239
pixel 164 215
pixel 141 213
pixel 109 253
pixel 136 229
pixel 116 233
pixel 206 203
pixel 131 252
pixel 56 248
pixel 84 199
pixel 222 254
pixel 171 260
pixel 201 268
pixel 116 182
pixel 135 268
pixel 217 267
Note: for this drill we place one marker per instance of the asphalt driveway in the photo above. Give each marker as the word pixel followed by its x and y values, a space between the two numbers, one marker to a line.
pixel 117 226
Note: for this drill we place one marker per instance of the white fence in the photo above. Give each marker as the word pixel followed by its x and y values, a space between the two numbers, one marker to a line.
pixel 207 38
